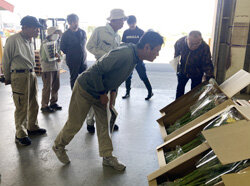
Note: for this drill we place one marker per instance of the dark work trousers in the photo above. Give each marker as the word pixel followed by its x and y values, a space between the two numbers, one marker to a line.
pixel 182 81
pixel 75 68
pixel 141 70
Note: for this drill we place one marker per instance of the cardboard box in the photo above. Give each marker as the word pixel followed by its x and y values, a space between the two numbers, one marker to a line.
pixel 241 178
pixel 181 106
pixel 220 139
pixel 184 136
pixel 188 98
pixel 168 120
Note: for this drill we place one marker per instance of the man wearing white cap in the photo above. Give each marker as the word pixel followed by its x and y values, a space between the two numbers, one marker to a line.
pixel 49 53
pixel 103 40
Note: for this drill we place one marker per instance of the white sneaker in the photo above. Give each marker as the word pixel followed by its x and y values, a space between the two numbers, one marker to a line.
pixel 61 154
pixel 113 162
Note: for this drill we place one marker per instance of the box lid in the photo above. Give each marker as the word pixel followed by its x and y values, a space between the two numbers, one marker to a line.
pixel 235 83
pixel 245 111
pixel 241 178
pixel 230 142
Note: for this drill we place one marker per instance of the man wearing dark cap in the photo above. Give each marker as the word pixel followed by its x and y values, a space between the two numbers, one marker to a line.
pixel 133 35
pixel 18 68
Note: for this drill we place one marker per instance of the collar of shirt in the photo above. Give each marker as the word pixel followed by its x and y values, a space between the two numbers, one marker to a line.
pixel 24 38
pixel 110 29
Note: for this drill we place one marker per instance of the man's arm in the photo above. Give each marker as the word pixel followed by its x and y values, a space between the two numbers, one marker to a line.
pixel 9 50
pixel 177 50
pixel 207 65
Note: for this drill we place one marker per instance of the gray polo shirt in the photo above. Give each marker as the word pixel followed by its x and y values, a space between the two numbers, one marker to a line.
pixel 18 55
pixel 110 71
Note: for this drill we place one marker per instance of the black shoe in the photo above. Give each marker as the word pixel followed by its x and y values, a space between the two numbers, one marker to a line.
pixel 23 141
pixel 91 129
pixel 37 132
pixel 149 96
pixel 126 96
pixel 47 110
pixel 55 107
pixel 116 127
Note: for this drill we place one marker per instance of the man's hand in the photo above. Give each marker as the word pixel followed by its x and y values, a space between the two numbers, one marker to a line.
pixel 58 56
pixel 104 99
pixel 112 98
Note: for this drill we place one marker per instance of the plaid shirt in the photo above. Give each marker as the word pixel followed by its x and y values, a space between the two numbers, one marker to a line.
pixel 194 63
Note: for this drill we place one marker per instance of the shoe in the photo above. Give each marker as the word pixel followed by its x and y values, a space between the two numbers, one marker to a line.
pixel 91 129
pixel 113 162
pixel 61 154
pixel 149 96
pixel 23 141
pixel 37 132
pixel 127 95
pixel 47 110
pixel 55 107
pixel 116 127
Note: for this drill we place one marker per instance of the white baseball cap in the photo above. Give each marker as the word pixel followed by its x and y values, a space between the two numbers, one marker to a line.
pixel 117 14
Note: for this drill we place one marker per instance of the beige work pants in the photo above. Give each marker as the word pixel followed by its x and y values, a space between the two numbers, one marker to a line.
pixel 51 85
pixel 24 88
pixel 80 104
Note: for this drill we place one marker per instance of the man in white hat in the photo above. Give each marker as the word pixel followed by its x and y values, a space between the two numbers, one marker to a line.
pixel 50 58
pixel 103 40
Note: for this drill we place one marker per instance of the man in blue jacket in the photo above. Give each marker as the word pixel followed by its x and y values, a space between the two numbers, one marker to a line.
pixel 132 35
pixel 73 45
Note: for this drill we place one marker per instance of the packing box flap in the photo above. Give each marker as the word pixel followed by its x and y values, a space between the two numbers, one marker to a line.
pixel 230 142
pixel 186 98
pixel 235 83
pixel 245 111
pixel 241 178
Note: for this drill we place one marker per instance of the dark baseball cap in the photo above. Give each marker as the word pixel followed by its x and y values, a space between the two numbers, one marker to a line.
pixel 30 21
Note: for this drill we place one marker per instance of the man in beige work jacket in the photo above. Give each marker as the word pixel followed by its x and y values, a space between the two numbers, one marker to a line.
pixel 18 68
pixel 103 40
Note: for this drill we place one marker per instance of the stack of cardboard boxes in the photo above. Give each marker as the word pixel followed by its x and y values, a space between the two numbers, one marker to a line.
pixel 230 143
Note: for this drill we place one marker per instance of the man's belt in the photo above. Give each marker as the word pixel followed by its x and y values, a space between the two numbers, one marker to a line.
pixel 22 70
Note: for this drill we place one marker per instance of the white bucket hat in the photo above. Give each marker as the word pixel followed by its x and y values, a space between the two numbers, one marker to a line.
pixel 117 14
pixel 51 30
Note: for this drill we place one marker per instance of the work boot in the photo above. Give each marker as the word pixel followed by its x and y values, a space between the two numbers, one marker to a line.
pixel 61 154
pixel 113 162
pixel 127 95
pixel 91 129
pixel 39 131
pixel 149 88
pixel 55 107
pixel 47 110
pixel 23 141
pixel 149 96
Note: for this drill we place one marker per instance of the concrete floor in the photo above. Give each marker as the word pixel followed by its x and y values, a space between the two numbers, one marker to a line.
pixel 134 144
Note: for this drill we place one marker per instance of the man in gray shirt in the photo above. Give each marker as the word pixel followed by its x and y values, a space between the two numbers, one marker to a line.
pixel 18 68
pixel 91 89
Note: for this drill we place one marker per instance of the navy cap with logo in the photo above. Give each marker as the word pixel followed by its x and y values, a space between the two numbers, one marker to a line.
pixel 30 21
